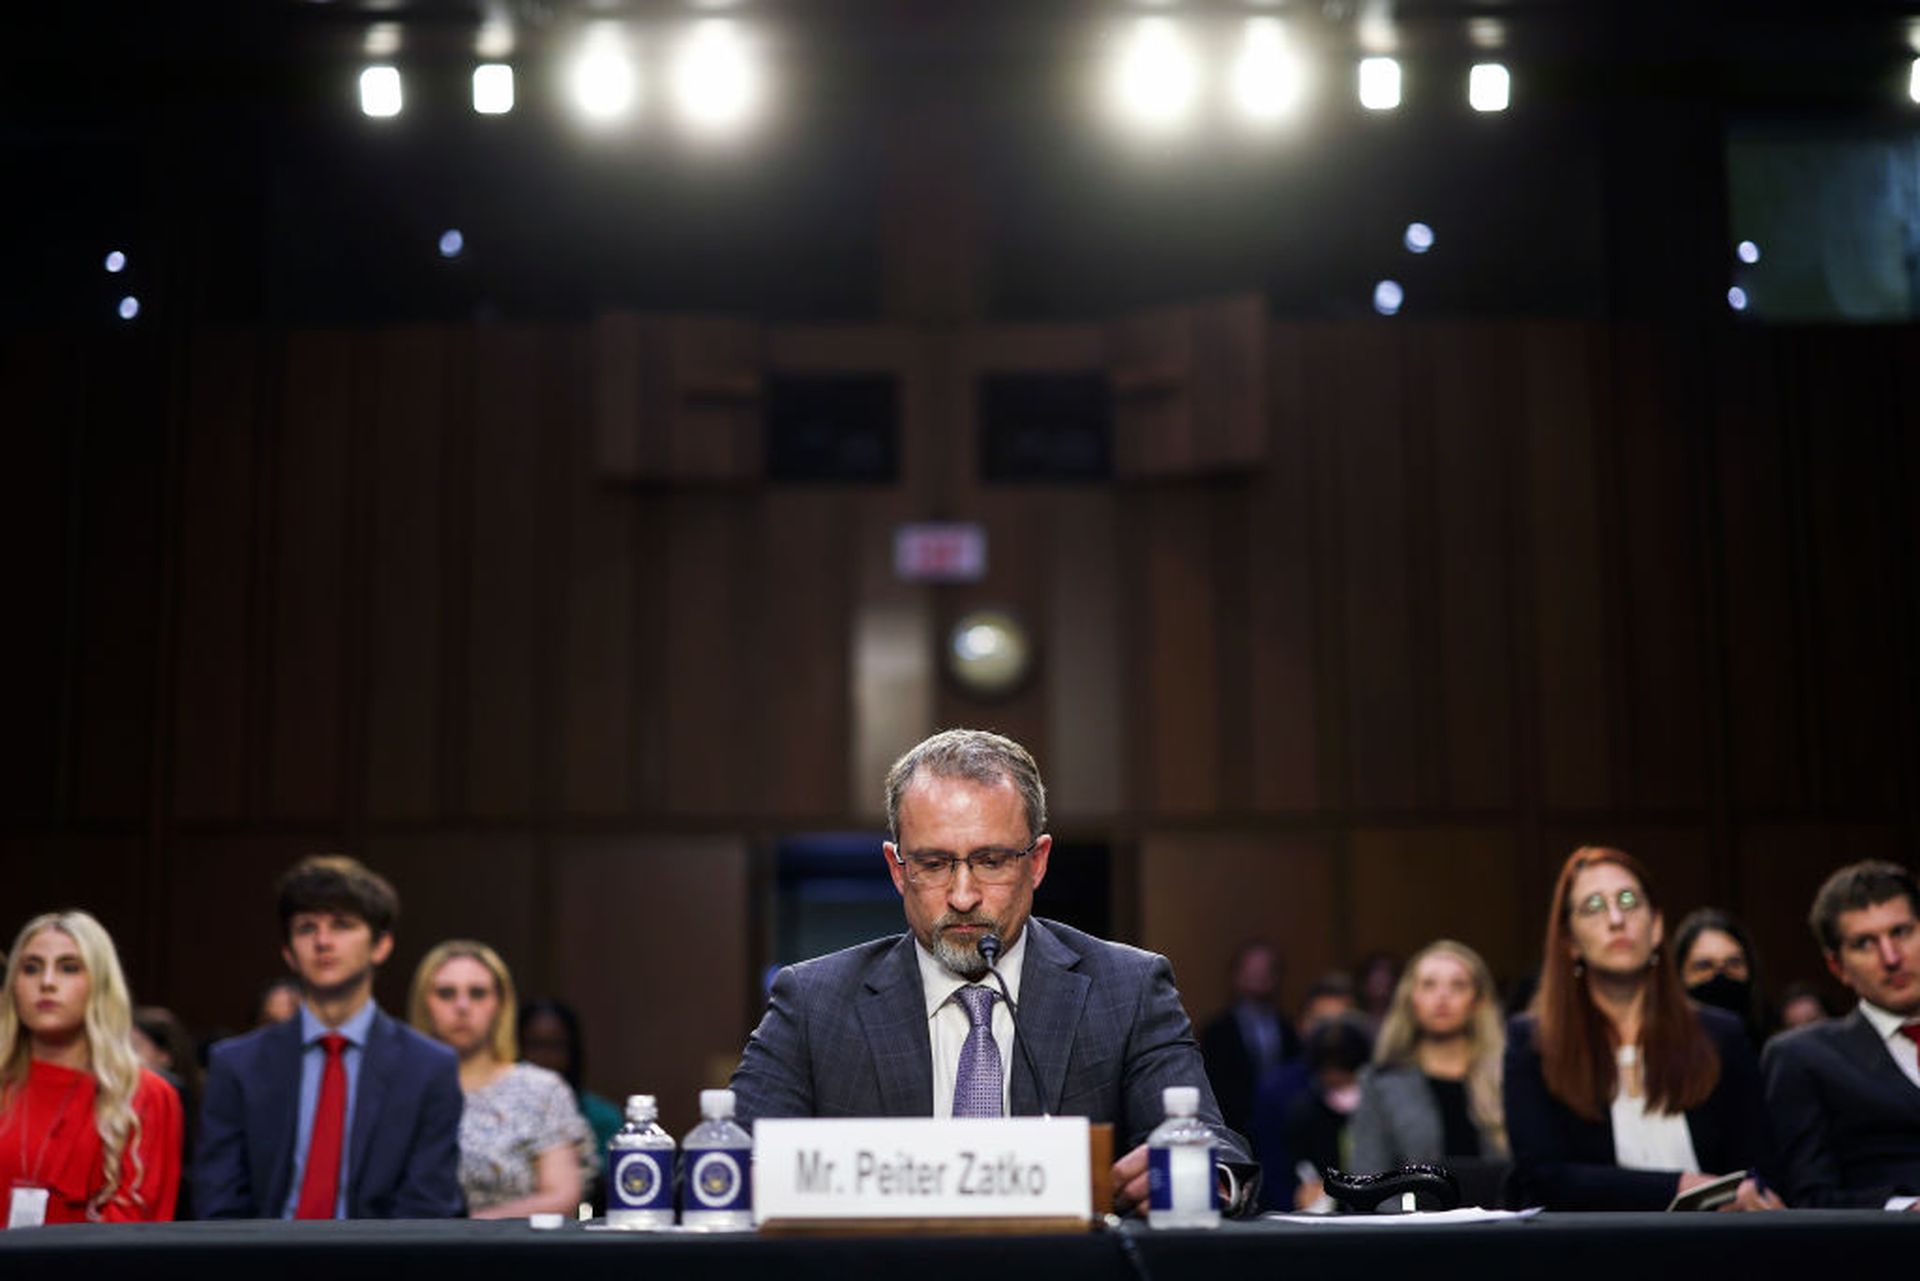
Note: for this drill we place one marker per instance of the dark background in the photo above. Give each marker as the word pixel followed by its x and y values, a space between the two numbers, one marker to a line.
pixel 479 568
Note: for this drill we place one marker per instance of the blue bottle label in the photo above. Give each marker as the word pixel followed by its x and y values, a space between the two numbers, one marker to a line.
pixel 637 1179
pixel 720 1179
pixel 1181 1178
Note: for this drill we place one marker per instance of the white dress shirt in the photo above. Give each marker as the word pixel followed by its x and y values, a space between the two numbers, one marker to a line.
pixel 948 1024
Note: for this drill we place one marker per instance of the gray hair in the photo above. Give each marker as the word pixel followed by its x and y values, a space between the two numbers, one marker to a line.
pixel 976 754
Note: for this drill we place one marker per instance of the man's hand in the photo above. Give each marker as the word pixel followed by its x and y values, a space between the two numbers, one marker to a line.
pixel 1130 1183
pixel 1754 1197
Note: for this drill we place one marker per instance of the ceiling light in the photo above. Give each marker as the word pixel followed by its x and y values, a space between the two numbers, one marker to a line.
pixel 1379 84
pixel 380 91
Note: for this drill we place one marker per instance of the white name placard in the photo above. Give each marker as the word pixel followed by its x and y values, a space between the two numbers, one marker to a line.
pixel 913 1168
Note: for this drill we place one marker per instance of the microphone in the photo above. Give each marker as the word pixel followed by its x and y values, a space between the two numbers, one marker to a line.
pixel 989 948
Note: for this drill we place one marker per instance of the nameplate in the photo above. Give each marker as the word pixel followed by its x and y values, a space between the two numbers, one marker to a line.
pixel 1008 1168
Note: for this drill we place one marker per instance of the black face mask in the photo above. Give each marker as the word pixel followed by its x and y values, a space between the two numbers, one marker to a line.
pixel 1735 996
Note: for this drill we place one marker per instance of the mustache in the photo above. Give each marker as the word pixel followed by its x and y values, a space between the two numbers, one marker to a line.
pixel 965 918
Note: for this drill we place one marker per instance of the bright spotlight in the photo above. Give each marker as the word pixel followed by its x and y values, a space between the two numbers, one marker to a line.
pixel 1266 75
pixel 1419 238
pixel 1379 84
pixel 1913 81
pixel 1737 298
pixel 1748 252
pixel 493 89
pixel 129 307
pixel 116 262
pixel 452 243
pixel 604 84
pixel 1155 80
pixel 380 91
pixel 1488 87
pixel 716 84
pixel 1387 297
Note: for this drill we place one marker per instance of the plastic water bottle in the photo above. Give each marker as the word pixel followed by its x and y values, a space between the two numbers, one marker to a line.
pixel 640 1169
pixel 716 1168
pixel 1182 1191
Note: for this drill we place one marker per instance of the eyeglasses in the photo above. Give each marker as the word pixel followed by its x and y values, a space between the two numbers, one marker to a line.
pixel 1595 903
pixel 933 869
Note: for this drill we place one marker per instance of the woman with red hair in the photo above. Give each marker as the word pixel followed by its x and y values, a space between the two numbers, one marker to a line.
pixel 1619 1092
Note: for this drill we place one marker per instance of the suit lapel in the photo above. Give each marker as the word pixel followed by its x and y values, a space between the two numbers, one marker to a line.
pixel 1052 994
pixel 277 1112
pixel 1861 1043
pixel 376 1068
pixel 893 1013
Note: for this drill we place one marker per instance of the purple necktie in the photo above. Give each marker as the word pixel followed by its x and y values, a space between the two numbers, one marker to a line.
pixel 976 1090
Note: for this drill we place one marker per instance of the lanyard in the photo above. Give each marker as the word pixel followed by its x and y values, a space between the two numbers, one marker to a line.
pixel 53 1131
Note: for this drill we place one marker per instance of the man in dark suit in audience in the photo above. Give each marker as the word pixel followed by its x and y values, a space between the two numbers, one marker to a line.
pixel 339 1112
pixel 1845 1094
pixel 905 1026
pixel 1250 1038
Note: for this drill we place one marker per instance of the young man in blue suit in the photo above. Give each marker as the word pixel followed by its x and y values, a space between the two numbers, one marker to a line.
pixel 340 1112
pixel 1845 1094
pixel 905 1026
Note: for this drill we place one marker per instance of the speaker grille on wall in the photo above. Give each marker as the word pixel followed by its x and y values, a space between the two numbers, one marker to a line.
pixel 833 427
pixel 1045 426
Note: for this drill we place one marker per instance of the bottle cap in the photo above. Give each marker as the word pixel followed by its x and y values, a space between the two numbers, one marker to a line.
pixel 1181 1100
pixel 642 1107
pixel 716 1105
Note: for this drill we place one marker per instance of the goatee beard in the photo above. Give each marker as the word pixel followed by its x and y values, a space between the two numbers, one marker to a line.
pixel 964 961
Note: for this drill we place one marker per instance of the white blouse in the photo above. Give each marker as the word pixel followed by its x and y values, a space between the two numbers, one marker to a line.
pixel 1644 1140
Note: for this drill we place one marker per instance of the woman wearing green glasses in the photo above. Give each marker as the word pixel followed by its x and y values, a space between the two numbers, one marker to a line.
pixel 1620 1093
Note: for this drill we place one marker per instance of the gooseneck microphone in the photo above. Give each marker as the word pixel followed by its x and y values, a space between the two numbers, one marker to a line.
pixel 989 949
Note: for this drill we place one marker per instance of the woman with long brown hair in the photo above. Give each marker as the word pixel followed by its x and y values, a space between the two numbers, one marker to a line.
pixel 1620 1093
pixel 86 1133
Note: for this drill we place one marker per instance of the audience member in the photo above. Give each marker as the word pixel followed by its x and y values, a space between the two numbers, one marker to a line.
pixel 1620 1093
pixel 1846 1093
pixel 166 1049
pixel 908 1025
pixel 550 1037
pixel 1801 1004
pixel 1432 1093
pixel 86 1133
pixel 1719 967
pixel 1250 1038
pixel 1329 997
pixel 1378 974
pixel 279 1001
pixel 339 1112
pixel 1318 1119
pixel 523 1144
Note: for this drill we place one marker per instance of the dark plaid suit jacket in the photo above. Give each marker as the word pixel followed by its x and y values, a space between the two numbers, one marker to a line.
pixel 846 1035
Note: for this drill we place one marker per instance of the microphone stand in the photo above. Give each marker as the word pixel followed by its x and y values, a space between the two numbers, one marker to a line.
pixel 989 949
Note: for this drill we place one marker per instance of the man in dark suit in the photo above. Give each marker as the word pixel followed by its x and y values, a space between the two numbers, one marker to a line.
pixel 1845 1095
pixel 339 1112
pixel 1249 1039
pixel 904 1026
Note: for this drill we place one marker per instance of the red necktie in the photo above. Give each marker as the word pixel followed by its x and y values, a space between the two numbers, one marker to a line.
pixel 320 1188
pixel 1911 1031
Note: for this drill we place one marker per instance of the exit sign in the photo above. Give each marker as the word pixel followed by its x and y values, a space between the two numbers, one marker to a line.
pixel 947 552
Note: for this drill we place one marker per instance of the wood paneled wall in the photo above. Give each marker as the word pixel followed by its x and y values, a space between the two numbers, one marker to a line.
pixel 1492 591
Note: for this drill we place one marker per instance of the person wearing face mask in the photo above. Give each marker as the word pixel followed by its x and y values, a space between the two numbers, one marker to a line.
pixel 524 1148
pixel 1619 1092
pixel 1432 1093
pixel 86 1133
pixel 1319 1121
pixel 1719 967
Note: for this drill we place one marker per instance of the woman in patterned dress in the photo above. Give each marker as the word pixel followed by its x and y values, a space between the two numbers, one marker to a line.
pixel 523 1143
